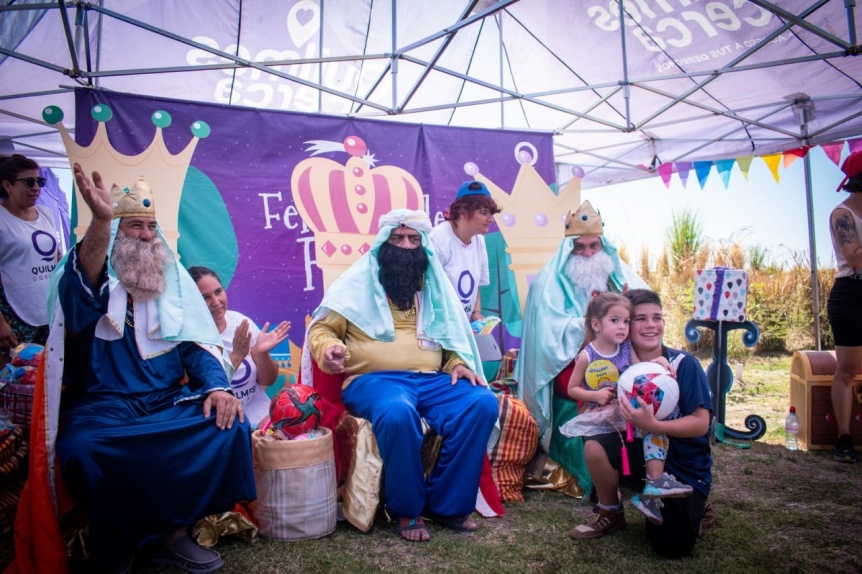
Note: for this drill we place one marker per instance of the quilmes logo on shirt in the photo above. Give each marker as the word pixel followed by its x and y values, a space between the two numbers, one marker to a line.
pixel 45 245
pixel 240 379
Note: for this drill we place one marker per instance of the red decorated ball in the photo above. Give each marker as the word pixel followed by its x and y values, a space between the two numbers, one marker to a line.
pixel 294 410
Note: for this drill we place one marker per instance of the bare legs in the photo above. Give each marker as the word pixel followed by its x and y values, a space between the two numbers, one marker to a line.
pixel 848 367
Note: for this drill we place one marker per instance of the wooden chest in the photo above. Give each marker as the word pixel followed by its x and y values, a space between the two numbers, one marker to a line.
pixel 810 392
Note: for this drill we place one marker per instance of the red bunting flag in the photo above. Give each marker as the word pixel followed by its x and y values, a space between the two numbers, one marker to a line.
pixel 792 155
pixel 833 151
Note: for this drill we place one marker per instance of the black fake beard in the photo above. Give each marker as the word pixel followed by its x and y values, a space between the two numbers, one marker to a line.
pixel 401 273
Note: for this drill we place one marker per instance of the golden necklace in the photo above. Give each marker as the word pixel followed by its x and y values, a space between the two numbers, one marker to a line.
pixel 402 315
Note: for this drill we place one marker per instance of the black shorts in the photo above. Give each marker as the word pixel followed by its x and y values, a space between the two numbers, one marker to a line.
pixel 844 310
pixel 613 444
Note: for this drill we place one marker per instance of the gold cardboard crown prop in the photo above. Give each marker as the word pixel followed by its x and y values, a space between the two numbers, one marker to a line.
pixel 532 216
pixel 585 221
pixel 165 172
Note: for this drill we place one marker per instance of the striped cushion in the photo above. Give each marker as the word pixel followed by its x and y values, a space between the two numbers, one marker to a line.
pixel 519 436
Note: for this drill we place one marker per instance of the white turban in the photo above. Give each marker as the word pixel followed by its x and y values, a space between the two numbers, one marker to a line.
pixel 417 220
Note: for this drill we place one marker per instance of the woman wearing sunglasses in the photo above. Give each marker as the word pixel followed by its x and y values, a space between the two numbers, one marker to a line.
pixel 28 253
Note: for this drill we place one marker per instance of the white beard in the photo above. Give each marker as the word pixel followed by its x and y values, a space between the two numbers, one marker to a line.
pixel 590 274
pixel 140 266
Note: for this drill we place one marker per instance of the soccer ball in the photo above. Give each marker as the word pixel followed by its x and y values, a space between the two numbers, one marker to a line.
pixel 294 410
pixel 652 383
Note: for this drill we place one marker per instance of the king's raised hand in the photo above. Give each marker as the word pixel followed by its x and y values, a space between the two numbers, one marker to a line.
pixel 95 195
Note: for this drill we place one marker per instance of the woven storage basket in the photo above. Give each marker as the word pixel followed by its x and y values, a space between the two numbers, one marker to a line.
pixel 296 495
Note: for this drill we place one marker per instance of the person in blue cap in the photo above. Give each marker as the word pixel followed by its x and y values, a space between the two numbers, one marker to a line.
pixel 460 245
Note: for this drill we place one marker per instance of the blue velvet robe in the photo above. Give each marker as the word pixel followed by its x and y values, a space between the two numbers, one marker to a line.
pixel 133 444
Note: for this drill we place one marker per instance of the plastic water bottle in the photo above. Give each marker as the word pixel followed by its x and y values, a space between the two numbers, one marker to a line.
pixel 791 430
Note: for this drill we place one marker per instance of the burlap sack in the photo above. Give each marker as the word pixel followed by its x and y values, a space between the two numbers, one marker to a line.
pixel 296 491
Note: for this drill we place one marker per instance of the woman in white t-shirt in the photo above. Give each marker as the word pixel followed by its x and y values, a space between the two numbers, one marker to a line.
pixel 29 251
pixel 247 346
pixel 460 246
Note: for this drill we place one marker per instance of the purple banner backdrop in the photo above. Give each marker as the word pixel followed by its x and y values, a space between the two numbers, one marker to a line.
pixel 246 163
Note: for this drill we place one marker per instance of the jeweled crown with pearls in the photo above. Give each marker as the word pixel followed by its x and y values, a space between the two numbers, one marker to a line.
pixel 585 221
pixel 136 201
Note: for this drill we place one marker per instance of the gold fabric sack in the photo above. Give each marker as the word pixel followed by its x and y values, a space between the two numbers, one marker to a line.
pixel 360 496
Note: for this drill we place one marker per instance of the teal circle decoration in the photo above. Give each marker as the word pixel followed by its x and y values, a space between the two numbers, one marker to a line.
pixel 102 113
pixel 161 119
pixel 52 115
pixel 201 129
pixel 207 236
pixel 146 202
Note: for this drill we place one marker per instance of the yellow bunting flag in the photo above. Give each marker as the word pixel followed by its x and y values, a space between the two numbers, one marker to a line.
pixel 772 162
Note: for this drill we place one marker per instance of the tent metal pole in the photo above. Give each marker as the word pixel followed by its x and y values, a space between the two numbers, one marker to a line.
pixel 812 247
pixel 394 59
pixel 499 18
pixel 320 64
pixel 625 81
pixel 67 29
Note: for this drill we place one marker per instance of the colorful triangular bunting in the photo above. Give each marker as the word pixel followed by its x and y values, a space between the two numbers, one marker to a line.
pixel 792 155
pixel 665 170
pixel 724 167
pixel 702 168
pixel 833 151
pixel 682 170
pixel 772 161
pixel 744 163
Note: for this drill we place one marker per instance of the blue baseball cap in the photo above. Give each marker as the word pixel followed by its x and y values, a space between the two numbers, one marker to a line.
pixel 465 189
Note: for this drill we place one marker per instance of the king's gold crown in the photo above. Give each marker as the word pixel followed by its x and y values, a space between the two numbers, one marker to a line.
pixel 136 201
pixel 585 221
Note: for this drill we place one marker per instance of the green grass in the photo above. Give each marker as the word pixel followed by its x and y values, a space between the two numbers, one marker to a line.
pixel 776 511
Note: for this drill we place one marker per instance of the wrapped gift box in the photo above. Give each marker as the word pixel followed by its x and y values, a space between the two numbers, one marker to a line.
pixel 720 294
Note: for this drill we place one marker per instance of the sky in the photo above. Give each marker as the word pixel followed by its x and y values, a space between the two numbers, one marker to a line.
pixel 758 211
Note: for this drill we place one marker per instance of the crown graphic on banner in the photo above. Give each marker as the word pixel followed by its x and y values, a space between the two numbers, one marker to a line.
pixel 164 172
pixel 585 221
pixel 532 217
pixel 342 204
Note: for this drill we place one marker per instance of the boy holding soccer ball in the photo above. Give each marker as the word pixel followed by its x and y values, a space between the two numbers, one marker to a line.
pixel 689 457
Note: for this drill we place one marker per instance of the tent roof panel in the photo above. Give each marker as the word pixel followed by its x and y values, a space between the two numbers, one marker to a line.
pixel 695 80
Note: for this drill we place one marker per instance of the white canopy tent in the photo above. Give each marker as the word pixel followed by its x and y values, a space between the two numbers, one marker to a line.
pixel 678 81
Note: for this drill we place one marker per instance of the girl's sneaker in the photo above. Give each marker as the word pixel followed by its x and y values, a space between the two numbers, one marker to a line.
pixel 665 486
pixel 651 507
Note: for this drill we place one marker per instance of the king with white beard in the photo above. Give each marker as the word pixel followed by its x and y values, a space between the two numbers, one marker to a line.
pixel 585 264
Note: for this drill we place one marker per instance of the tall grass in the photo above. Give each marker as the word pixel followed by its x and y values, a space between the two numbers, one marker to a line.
pixel 779 296
pixel 684 239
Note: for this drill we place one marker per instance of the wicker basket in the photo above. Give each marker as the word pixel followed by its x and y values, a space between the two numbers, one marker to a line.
pixel 17 401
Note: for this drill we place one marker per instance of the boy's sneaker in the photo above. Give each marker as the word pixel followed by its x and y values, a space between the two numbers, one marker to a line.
pixel 844 451
pixel 665 486
pixel 598 524
pixel 651 507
